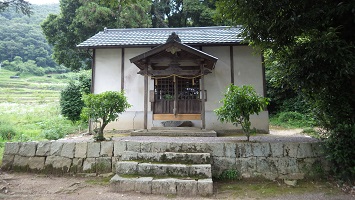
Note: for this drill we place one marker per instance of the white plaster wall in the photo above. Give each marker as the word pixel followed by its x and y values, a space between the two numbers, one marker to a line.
pixel 107 70
pixel 133 82
pixel 217 81
pixel 248 68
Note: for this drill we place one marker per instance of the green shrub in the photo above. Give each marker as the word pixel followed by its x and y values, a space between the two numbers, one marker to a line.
pixel 71 103
pixel 341 152
pixel 292 120
pixel 238 104
pixel 229 174
pixel 7 132
pixel 104 107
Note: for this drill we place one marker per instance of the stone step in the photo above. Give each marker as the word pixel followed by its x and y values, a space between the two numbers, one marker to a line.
pixel 164 170
pixel 176 133
pixel 174 186
pixel 168 157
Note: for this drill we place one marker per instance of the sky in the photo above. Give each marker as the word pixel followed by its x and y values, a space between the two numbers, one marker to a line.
pixel 43 1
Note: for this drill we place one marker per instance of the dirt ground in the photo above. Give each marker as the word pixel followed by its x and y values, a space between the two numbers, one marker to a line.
pixel 43 187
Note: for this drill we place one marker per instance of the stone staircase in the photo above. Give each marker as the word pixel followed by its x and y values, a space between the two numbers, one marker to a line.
pixel 182 174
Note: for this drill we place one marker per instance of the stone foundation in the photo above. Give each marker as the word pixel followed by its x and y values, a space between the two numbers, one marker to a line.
pixel 271 160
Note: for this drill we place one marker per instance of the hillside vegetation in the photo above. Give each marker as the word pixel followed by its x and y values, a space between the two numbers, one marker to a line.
pixel 22 36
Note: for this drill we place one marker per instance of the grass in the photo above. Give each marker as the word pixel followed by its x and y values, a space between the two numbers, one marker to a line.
pixel 259 188
pixel 29 108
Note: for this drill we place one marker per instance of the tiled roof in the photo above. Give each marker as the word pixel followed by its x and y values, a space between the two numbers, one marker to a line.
pixel 157 36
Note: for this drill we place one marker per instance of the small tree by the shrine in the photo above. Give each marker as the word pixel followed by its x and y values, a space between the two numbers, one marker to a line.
pixel 104 108
pixel 238 104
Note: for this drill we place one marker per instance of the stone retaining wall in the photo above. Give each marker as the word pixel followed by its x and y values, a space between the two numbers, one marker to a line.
pixel 270 160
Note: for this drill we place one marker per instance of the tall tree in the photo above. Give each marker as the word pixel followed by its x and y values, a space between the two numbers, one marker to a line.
pixel 81 19
pixel 314 45
pixel 182 13
pixel 20 5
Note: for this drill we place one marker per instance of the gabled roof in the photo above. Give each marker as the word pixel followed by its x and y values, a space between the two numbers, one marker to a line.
pixel 216 35
pixel 174 51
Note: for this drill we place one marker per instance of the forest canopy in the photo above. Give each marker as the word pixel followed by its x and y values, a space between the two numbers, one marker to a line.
pixel 21 36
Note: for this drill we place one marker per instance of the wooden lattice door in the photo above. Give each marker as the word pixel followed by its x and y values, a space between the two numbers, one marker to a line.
pixel 181 95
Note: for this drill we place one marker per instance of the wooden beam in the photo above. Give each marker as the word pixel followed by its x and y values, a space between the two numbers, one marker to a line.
pixel 231 54
pixel 122 69
pixel 170 72
pixel 93 69
pixel 178 117
pixel 146 99
pixel 203 126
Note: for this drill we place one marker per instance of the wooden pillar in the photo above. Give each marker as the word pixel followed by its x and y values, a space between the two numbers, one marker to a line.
pixel 175 110
pixel 146 98
pixel 231 56
pixel 122 69
pixel 203 117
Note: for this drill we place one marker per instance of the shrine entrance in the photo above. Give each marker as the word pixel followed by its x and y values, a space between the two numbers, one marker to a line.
pixel 178 72
pixel 176 95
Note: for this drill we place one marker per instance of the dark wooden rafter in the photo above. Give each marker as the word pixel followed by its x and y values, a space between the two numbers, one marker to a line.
pixel 174 52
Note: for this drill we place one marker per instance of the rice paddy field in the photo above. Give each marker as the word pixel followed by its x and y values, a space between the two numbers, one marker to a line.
pixel 29 108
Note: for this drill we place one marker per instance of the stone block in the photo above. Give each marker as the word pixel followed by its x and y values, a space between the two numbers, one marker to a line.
pixel 221 164
pixel 7 161
pixel 89 165
pixel 77 165
pixel 58 162
pixel 277 149
pixel 119 147
pixel 151 157
pixel 286 165
pixel 159 147
pixel 318 149
pixel 266 168
pixel 230 151
pixel 305 150
pixel 261 149
pixel 68 150
pixel 103 165
pixel 164 186
pixel 216 149
pixel 43 149
pixel 126 167
pixel 129 155
pixel 120 184
pixel 11 148
pixel 244 150
pixel 149 169
pixel 175 147
pixel 193 147
pixel 146 147
pixel 28 149
pixel 133 146
pixel 290 149
pixel 186 187
pixel 36 163
pixel 295 176
pixel 81 150
pixel 115 160
pixel 201 170
pixel 93 149
pixel 205 187
pixel 246 166
pixel 56 148
pixel 106 149
pixel 20 161
pixel 143 185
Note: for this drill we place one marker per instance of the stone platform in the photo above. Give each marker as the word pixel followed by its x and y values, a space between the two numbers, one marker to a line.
pixel 271 157
pixel 175 132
